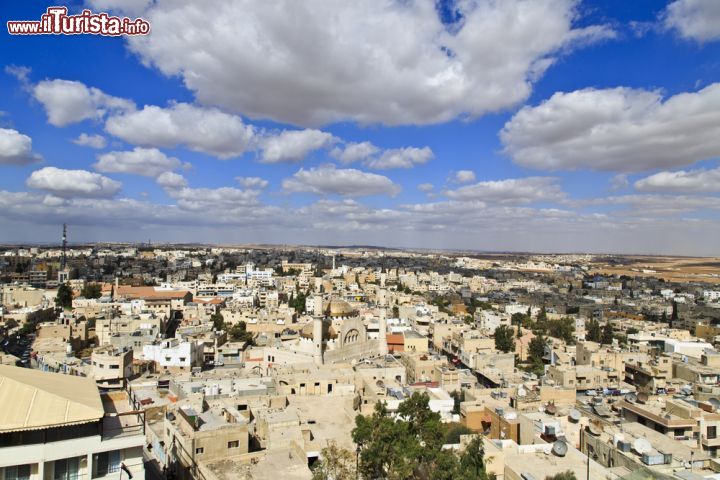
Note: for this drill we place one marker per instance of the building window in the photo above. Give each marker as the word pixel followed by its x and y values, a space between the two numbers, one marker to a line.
pixel 234 444
pixel 199 450
pixel 67 469
pixel 114 367
pixel 106 462
pixel 711 432
pixel 18 472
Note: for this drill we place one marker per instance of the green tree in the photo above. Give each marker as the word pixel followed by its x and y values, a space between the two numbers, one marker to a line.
pixel 64 296
pixel 335 463
pixel 458 398
pixel 472 461
pixel 91 290
pixel 607 334
pixel 593 331
pixel 520 319
pixel 536 352
pixel 239 333
pixel 563 328
pixel 453 431
pixel 567 475
pixel 504 340
pixel 407 447
pixel 541 323
pixel 28 328
pixel 218 321
pixel 298 303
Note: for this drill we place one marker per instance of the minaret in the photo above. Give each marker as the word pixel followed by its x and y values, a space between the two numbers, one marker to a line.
pixel 382 333
pixel 63 274
pixel 63 263
pixel 317 338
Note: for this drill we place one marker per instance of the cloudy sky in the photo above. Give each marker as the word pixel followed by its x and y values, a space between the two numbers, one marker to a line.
pixel 513 125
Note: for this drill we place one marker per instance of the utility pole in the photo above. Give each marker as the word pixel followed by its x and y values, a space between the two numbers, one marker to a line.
pixel 587 450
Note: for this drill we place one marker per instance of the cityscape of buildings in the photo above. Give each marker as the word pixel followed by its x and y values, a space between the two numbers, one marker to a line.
pixel 221 362
pixel 360 240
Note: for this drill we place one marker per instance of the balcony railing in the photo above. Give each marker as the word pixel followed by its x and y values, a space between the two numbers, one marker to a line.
pixel 125 424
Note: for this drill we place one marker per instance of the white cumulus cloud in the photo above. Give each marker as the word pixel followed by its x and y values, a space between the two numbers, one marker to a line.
pixel 407 157
pixel 463 176
pixel 92 141
pixel 511 191
pixel 206 130
pixel 252 182
pixel 149 162
pixel 16 148
pixel 294 145
pixel 682 181
pixel 171 180
pixel 347 182
pixel 698 20
pixel 376 61
pixel 618 129
pixel 73 183
pixel 66 102
pixel 354 152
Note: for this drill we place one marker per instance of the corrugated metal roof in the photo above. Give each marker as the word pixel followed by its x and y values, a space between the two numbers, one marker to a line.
pixel 31 400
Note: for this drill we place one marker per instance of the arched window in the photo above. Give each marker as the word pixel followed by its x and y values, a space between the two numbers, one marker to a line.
pixel 351 337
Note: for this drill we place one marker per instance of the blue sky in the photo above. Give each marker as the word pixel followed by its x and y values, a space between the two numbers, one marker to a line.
pixel 576 126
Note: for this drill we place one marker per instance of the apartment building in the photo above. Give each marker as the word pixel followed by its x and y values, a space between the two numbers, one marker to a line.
pixel 195 435
pixel 111 367
pixel 173 354
pixel 55 426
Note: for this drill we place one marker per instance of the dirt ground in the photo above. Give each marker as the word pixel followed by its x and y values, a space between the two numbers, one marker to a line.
pixel 678 269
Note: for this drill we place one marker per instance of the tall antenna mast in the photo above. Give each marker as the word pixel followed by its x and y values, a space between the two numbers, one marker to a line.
pixel 64 247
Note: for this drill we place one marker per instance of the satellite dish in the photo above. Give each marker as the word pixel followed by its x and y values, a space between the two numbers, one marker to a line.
pixel 380 384
pixel 594 429
pixel 575 415
pixel 521 392
pixel 551 409
pixel 560 448
pixel 715 402
pixel 642 446
pixel 631 397
pixel 642 397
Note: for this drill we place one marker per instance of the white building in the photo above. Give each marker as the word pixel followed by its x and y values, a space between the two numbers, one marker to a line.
pixel 711 295
pixel 690 349
pixel 490 319
pixel 173 353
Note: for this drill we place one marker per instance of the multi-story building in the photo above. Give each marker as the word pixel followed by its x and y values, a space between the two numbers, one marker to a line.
pixel 111 367
pixel 174 354
pixel 55 426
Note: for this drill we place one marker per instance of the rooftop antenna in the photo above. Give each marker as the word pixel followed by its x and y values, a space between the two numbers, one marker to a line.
pixel 64 248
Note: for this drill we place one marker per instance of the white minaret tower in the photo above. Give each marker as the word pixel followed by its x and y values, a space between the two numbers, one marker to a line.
pixel 333 263
pixel 382 333
pixel 317 339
